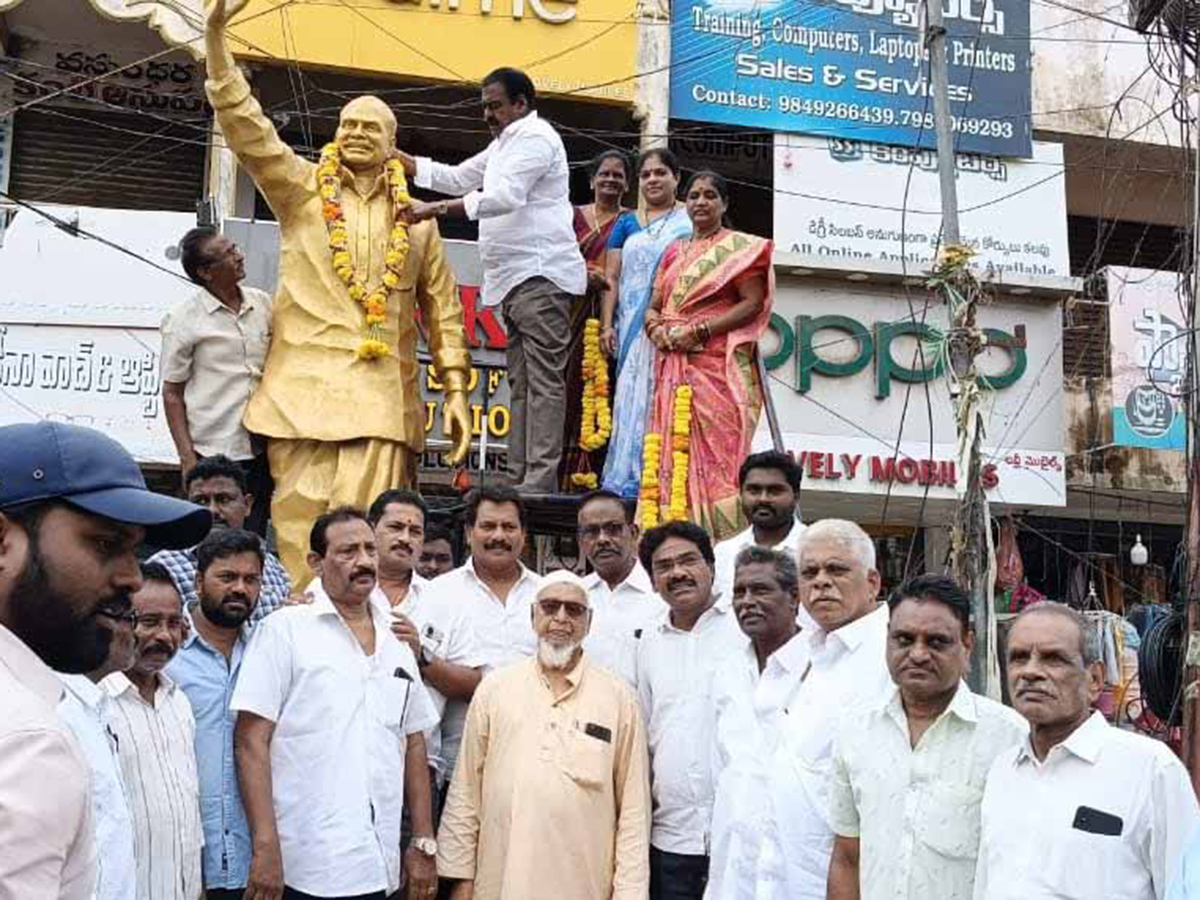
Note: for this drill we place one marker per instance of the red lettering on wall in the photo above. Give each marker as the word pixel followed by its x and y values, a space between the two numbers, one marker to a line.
pixel 494 337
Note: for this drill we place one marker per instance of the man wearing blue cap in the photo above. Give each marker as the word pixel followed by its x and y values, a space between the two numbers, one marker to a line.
pixel 73 510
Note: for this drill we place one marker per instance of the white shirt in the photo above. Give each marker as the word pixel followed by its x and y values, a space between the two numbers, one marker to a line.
pixel 750 710
pixel 620 616
pixel 519 189
pixel 84 708
pixel 342 719
pixel 219 355
pixel 676 672
pixel 726 553
pixel 785 856
pixel 503 631
pixel 156 746
pixel 47 846
pixel 915 810
pixel 446 633
pixel 1029 847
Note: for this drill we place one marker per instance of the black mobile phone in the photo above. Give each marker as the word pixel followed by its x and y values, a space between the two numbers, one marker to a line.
pixel 1093 821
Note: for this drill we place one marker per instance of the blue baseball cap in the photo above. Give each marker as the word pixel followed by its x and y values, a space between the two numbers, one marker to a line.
pixel 89 470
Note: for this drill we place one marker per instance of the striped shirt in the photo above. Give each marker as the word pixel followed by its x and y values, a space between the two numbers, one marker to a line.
pixel 156 746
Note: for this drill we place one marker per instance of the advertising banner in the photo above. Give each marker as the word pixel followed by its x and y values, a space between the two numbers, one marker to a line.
pixel 1013 213
pixel 854 69
pixel 1149 358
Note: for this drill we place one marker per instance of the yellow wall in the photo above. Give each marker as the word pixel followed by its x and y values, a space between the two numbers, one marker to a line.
pixel 452 40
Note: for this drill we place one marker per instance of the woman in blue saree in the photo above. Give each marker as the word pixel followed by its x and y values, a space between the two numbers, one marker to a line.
pixel 637 244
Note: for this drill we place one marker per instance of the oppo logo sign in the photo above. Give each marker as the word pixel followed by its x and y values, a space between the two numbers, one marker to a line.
pixel 812 353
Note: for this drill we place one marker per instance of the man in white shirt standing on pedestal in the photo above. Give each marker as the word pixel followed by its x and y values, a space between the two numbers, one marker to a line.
pixel 769 483
pixel 623 601
pixel 519 190
pixel 909 770
pixel 1080 810
pixel 329 743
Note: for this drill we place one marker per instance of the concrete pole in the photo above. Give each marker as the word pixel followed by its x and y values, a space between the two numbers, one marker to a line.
pixel 652 92
pixel 972 556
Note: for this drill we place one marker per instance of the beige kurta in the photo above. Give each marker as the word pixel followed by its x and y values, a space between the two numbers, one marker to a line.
pixel 550 798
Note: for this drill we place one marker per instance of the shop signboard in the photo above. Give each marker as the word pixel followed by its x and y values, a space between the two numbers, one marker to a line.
pixel 854 69
pixel 887 205
pixel 79 338
pixel 863 400
pixel 584 48
pixel 1149 358
pixel 91 78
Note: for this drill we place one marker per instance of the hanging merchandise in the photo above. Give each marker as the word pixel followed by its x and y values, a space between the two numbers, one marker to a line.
pixel 1160 669
pixel 1010 569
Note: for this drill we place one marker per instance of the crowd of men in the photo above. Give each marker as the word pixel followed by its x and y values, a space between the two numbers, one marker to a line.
pixel 190 726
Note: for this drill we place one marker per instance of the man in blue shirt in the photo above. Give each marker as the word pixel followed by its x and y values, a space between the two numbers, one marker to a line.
pixel 229 572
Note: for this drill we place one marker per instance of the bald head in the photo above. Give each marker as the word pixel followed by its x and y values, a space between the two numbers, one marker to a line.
pixel 366 133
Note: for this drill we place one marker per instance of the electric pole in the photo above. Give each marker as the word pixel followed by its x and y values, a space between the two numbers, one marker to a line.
pixel 971 538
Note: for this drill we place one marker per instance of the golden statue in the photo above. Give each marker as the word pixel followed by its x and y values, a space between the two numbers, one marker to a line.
pixel 339 401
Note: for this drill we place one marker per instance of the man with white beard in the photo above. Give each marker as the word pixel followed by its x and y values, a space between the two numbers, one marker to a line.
pixel 551 795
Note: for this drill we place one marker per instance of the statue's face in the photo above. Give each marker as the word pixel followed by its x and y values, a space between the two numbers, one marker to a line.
pixel 366 133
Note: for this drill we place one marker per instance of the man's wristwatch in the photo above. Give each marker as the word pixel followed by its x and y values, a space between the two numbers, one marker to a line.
pixel 426 846
pixel 443 207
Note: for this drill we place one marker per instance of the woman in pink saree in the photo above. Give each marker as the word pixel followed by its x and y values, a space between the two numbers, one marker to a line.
pixel 712 302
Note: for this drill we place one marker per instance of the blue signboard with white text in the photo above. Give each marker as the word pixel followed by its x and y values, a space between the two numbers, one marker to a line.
pixel 854 69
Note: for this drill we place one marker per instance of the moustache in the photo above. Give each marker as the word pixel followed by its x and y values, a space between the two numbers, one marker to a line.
pixel 682 581
pixel 159 647
pixel 236 598
pixel 497 545
pixel 362 570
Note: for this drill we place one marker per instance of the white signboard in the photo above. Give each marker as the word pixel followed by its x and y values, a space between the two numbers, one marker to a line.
pixel 55 275
pixel 863 408
pixel 844 200
pixel 104 378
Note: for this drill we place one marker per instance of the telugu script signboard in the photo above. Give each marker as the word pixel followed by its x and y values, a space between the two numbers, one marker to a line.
pixel 79 338
pixel 1149 358
pixel 1012 213
pixel 853 69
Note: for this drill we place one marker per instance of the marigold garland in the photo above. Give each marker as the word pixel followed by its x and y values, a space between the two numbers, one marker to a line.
pixel 681 429
pixel 595 428
pixel 374 302
pixel 651 460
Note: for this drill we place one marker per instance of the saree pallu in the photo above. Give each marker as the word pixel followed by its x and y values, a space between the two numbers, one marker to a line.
pixel 593 241
pixel 635 358
pixel 698 283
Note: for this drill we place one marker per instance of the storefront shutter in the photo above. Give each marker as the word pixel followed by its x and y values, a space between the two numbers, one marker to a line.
pixel 106 159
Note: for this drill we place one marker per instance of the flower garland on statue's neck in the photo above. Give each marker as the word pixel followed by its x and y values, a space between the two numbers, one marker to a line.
pixel 374 302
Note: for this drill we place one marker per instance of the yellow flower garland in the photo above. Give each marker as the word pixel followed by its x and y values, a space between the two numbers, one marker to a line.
pixel 651 459
pixel 374 302
pixel 680 436
pixel 589 481
pixel 595 428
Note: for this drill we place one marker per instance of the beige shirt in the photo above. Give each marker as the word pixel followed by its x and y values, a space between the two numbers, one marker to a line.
pixel 915 810
pixel 219 355
pixel 47 849
pixel 551 797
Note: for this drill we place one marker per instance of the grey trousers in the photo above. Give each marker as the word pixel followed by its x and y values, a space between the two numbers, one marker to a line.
pixel 536 316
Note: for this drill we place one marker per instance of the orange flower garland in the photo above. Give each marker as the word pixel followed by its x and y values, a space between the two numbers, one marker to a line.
pixel 680 442
pixel 595 427
pixel 374 302
pixel 651 459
